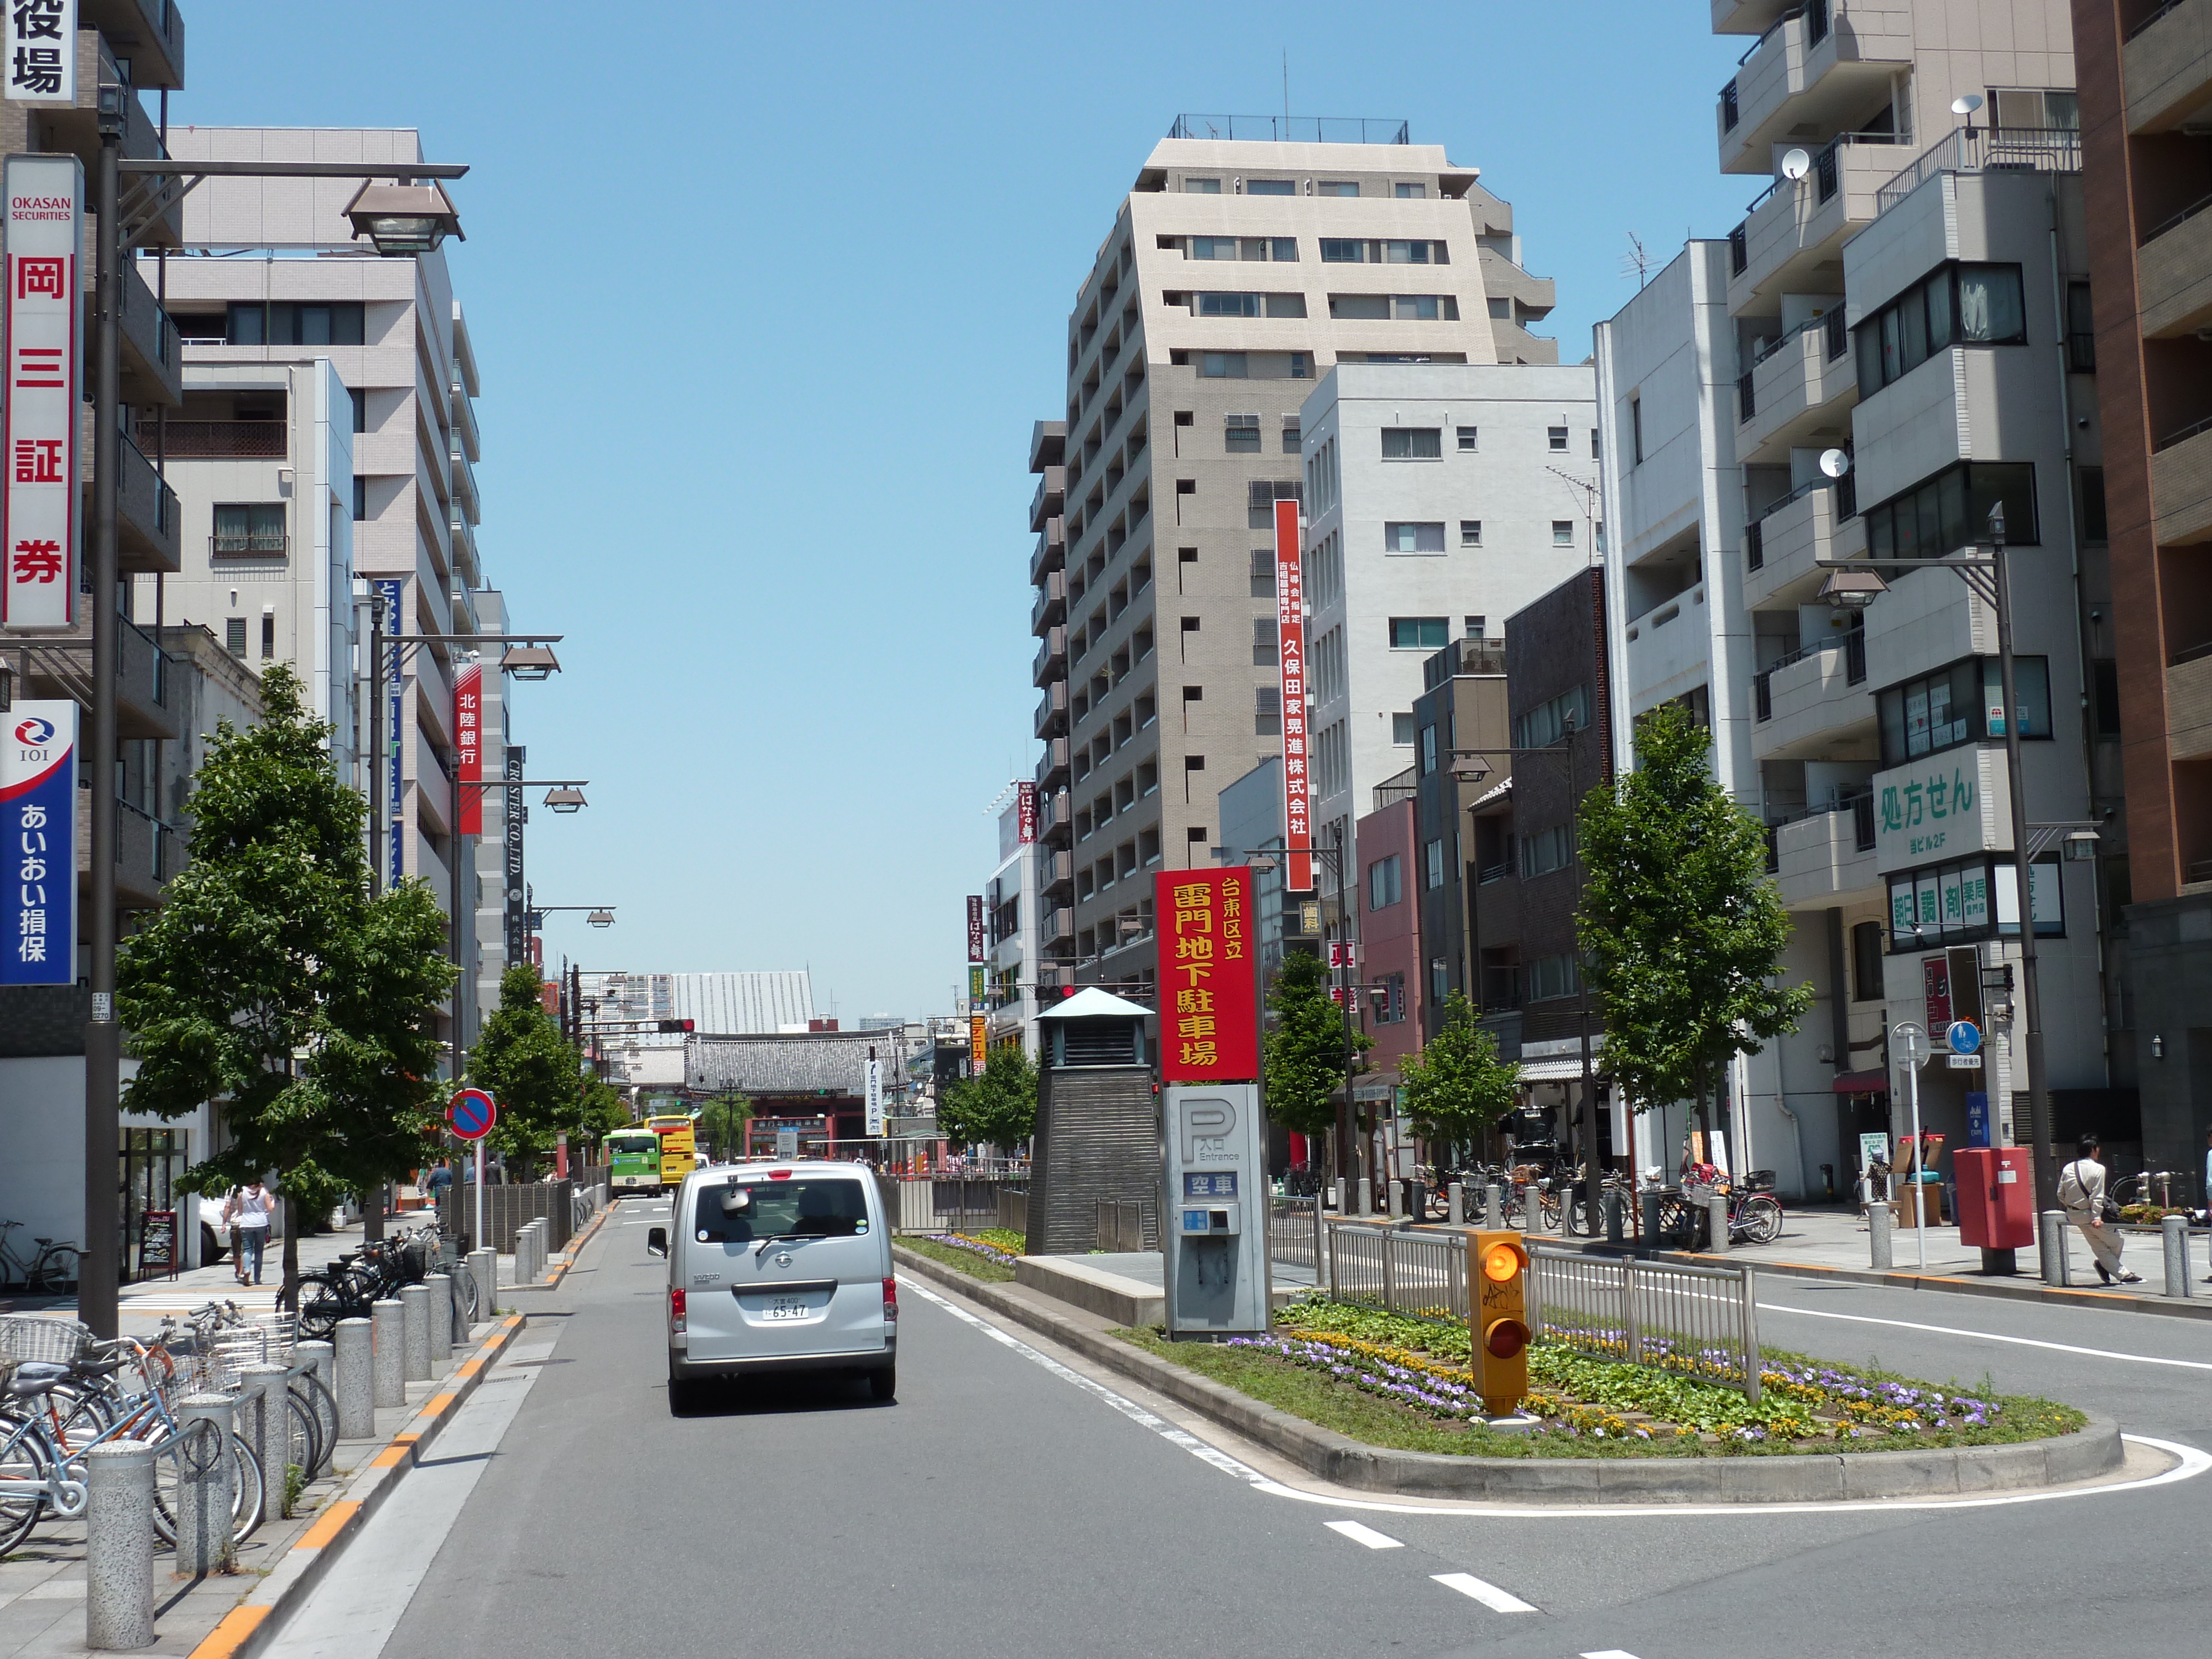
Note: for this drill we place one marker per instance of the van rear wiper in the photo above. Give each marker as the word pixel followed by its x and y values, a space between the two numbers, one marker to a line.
pixel 779 1238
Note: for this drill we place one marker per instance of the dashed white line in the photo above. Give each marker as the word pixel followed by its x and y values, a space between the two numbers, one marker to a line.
pixel 1610 1653
pixel 1367 1535
pixel 1991 1336
pixel 1489 1594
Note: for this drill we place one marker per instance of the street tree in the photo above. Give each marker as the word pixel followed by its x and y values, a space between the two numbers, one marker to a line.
pixel 1306 1058
pixel 522 1061
pixel 1457 1089
pixel 721 1122
pixel 1682 929
pixel 998 1108
pixel 272 983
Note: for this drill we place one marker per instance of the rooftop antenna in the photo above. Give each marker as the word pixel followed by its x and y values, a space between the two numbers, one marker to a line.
pixel 1636 259
pixel 1286 94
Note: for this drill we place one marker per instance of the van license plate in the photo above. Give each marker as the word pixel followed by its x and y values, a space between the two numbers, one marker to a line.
pixel 788 1307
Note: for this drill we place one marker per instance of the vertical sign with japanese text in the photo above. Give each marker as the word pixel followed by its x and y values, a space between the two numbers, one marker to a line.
pixel 978 1044
pixel 517 896
pixel 1291 643
pixel 1025 813
pixel 395 782
pixel 975 928
pixel 41 52
pixel 38 519
pixel 874 1098
pixel 1209 988
pixel 468 744
pixel 38 843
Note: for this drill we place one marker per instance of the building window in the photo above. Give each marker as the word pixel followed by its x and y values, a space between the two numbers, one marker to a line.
pixel 360 498
pixel 1439 980
pixel 1290 430
pixel 1229 304
pixel 360 408
pixel 1401 729
pixel 1563 533
pixel 1428 749
pixel 234 635
pixel 1952 510
pixel 1595 452
pixel 1242 437
pixel 1338 251
pixel 1962 703
pixel 1477 627
pixel 1636 431
pixel 1412 443
pixel 2094 526
pixel 252 528
pixel 283 322
pixel 1201 186
pixel 1470 532
pixel 1405 254
pixel 1551 976
pixel 1433 860
pixel 1390 999
pixel 1957 305
pixel 1261 497
pixel 1301 366
pixel 1549 721
pixel 1468 437
pixel 1339 187
pixel 268 636
pixel 1271 187
pixel 1385 883
pixel 1557 437
pixel 1419 633
pixel 1265 652
pixel 2081 330
pixel 1267 711
pixel 1263 573
pixel 1410 193
pixel 1547 850
pixel 1946 903
pixel 2105 695
pixel 1409 537
pixel 1222 366
pixel 1866 965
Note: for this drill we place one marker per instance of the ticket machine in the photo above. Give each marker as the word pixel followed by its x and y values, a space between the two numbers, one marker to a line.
pixel 1214 1242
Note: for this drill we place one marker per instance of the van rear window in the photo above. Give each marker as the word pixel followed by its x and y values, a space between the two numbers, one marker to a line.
pixel 826 1207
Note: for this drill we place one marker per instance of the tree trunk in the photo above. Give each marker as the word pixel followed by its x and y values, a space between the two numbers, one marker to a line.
pixel 287 1297
pixel 372 1213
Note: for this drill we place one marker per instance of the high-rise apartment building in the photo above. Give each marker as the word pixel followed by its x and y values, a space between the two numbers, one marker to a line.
pixel 1236 273
pixel 1884 350
pixel 2146 91
pixel 1010 924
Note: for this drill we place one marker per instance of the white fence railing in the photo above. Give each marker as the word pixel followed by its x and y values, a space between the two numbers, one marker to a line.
pixel 1700 1321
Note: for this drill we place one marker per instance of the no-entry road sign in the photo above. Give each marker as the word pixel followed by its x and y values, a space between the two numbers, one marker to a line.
pixel 471 1113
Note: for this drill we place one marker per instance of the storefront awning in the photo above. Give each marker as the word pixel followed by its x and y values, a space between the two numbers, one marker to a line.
pixel 1862 1082
pixel 1568 1070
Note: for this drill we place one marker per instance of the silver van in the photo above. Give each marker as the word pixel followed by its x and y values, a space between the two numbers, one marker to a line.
pixel 779 1267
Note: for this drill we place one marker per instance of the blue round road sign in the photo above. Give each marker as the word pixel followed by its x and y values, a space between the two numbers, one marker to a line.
pixel 471 1113
pixel 1963 1036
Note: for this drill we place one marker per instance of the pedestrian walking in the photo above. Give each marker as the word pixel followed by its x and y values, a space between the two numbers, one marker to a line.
pixel 441 1178
pixel 247 1213
pixel 2082 1190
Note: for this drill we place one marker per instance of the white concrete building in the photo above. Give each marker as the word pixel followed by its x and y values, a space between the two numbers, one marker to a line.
pixel 1010 927
pixel 1897 299
pixel 1440 498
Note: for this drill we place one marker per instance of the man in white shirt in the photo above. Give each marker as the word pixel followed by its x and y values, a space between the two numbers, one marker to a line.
pixel 2082 1190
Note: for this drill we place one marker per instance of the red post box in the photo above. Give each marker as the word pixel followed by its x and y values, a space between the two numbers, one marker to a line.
pixel 1997 1202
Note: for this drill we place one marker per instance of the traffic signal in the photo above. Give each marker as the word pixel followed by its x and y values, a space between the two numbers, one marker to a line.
pixel 684 1025
pixel 1500 1322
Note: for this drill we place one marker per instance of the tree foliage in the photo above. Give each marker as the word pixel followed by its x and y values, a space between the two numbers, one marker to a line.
pixel 1682 930
pixel 523 1063
pixel 721 1122
pixel 272 983
pixel 1457 1087
pixel 998 1108
pixel 1305 1055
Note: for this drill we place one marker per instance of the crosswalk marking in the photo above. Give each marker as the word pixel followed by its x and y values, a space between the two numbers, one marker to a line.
pixel 1490 1595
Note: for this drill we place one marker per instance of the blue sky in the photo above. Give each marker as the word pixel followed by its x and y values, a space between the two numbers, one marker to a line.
pixel 766 300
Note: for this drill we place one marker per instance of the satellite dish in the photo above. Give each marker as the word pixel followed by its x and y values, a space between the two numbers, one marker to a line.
pixel 1966 103
pixel 1795 164
pixel 1835 462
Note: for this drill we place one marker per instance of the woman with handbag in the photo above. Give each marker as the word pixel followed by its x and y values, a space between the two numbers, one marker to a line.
pixel 2082 1190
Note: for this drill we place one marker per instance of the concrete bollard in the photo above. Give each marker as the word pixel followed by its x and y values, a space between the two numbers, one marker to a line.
pixel 1455 1204
pixel 265 1425
pixel 2176 1230
pixel 118 1547
pixel 441 1319
pixel 1716 1223
pixel 1366 1196
pixel 1616 1228
pixel 204 1481
pixel 324 1358
pixel 1493 1207
pixel 1880 1220
pixel 2051 1242
pixel 1649 1217
pixel 414 1331
pixel 353 1344
pixel 1391 1206
pixel 389 1352
pixel 483 1266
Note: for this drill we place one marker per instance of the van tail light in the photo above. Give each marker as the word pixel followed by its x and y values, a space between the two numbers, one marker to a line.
pixel 890 1298
pixel 675 1316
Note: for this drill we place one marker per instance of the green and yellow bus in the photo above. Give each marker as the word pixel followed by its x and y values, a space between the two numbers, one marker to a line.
pixel 634 1161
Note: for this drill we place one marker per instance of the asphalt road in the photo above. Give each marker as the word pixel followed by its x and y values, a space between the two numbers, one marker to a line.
pixel 1007 1505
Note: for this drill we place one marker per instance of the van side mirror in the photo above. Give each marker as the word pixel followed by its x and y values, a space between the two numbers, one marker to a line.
pixel 656 1242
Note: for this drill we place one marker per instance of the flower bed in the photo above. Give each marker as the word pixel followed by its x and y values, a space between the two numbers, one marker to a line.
pixel 989 1255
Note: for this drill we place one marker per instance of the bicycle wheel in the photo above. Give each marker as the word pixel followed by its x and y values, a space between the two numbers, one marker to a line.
pixel 464 1300
pixel 1762 1219
pixel 245 1485
pixel 322 1304
pixel 1548 1207
pixel 310 1390
pixel 25 1472
pixel 55 1273
pixel 303 1441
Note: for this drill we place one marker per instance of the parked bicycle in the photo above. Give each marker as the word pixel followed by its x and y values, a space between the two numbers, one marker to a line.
pixel 51 1272
pixel 349 1287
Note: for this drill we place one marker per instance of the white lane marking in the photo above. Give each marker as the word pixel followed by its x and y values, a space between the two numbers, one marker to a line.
pixel 1367 1535
pixel 1490 1595
pixel 1610 1653
pixel 1991 1336
pixel 2189 1463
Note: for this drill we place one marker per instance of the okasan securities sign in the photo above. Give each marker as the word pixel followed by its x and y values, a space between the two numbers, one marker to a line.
pixel 1942 806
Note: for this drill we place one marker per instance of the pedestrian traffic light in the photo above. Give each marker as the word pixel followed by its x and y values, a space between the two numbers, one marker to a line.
pixel 1499 1325
pixel 684 1025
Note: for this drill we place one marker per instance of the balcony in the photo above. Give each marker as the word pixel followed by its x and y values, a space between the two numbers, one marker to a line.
pixel 146 856
pixel 1051 552
pixel 1801 388
pixel 1052 710
pixel 153 353
pixel 1818 69
pixel 1051 606
pixel 1826 858
pixel 1052 770
pixel 1807 705
pixel 1051 660
pixel 2166 67
pixel 2189 706
pixel 1051 492
pixel 62 667
pixel 2181 486
pixel 74 128
pixel 1747 16
pixel 149 521
pixel 1793 540
pixel 1056 927
pixel 1056 820
pixel 1668 648
pixel 1793 227
pixel 466 501
pixel 2173 274
pixel 219 440
pixel 464 411
pixel 150 33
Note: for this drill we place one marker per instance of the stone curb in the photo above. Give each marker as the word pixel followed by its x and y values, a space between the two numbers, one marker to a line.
pixel 247 1628
pixel 1806 1478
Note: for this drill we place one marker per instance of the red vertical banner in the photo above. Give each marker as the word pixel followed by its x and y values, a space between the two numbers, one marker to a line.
pixel 1291 643
pixel 1209 992
pixel 468 743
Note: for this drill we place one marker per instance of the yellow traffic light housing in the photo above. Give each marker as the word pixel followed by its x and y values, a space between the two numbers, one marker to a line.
pixel 1500 1322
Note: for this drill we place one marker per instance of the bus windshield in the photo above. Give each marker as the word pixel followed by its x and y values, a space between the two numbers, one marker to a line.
pixel 633 1145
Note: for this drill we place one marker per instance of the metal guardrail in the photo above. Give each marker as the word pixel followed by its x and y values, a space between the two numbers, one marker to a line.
pixel 1700 1321
pixel 1297 1233
pixel 1421 1273
pixel 950 1204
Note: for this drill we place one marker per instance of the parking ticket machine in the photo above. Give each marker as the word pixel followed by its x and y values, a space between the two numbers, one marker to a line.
pixel 1214 1243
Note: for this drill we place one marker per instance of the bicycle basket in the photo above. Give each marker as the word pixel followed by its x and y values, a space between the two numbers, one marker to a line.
pixel 43 1337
